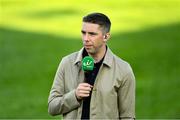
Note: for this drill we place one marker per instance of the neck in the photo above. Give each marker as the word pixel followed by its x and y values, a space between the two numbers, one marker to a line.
pixel 99 55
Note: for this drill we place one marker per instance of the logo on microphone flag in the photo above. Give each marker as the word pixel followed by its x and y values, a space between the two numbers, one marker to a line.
pixel 87 63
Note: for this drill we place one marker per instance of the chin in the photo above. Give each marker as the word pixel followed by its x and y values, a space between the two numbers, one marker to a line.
pixel 90 51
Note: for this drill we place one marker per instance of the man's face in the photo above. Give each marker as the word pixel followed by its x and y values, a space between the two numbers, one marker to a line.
pixel 93 37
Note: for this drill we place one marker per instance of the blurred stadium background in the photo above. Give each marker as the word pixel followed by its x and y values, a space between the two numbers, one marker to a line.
pixel 36 34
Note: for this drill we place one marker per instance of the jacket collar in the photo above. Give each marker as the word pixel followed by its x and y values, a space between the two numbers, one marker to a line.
pixel 108 59
pixel 79 56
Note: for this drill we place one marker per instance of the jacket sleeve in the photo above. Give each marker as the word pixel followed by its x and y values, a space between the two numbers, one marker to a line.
pixel 126 95
pixel 60 102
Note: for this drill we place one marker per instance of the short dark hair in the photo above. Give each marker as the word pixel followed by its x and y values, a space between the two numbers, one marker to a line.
pixel 100 19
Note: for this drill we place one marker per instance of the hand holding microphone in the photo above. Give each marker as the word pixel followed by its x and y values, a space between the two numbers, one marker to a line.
pixel 84 89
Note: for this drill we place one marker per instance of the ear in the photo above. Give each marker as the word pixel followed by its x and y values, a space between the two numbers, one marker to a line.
pixel 106 37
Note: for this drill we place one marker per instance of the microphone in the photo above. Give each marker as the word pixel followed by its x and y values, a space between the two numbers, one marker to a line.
pixel 87 66
pixel 87 63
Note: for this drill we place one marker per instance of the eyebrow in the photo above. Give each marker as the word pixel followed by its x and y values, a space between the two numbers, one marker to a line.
pixel 91 33
pixel 83 31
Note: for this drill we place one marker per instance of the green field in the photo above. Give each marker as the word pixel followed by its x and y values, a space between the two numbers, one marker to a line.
pixel 36 34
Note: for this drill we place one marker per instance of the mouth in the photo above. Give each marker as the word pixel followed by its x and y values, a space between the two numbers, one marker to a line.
pixel 87 46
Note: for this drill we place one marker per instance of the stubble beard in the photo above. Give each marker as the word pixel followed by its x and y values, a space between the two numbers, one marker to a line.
pixel 93 51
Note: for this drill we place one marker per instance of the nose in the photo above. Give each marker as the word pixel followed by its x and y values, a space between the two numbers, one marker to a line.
pixel 85 37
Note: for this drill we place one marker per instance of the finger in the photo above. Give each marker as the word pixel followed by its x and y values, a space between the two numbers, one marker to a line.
pixel 85 88
pixel 84 92
pixel 82 87
pixel 84 95
pixel 85 84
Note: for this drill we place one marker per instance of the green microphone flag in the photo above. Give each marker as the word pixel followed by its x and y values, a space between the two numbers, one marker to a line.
pixel 87 63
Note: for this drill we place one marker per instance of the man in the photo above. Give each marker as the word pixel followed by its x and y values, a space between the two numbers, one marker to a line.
pixel 106 92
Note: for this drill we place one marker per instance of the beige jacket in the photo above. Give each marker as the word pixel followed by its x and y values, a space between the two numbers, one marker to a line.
pixel 113 94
